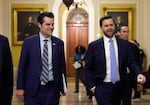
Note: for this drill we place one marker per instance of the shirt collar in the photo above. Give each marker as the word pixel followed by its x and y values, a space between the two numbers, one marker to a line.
pixel 42 38
pixel 107 39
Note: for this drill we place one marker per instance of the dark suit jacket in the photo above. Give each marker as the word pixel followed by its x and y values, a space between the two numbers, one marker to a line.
pixel 30 65
pixel 136 53
pixel 6 72
pixel 95 62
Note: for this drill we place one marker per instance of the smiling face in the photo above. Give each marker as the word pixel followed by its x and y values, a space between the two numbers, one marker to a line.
pixel 108 27
pixel 47 27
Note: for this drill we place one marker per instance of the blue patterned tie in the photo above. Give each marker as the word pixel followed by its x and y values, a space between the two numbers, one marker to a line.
pixel 114 76
pixel 45 71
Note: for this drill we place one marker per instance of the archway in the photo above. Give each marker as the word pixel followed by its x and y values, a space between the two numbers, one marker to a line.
pixel 77 34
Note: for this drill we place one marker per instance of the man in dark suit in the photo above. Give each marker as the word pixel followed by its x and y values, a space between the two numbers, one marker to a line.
pixel 42 69
pixel 138 56
pixel 124 33
pixel 107 77
pixel 6 72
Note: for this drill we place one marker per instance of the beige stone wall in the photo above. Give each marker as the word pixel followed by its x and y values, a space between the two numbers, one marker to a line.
pixel 1 16
pixel 146 29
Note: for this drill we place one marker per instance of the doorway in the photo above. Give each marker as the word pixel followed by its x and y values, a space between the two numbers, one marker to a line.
pixel 77 34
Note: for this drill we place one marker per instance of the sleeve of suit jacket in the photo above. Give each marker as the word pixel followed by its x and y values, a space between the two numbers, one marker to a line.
pixel 63 70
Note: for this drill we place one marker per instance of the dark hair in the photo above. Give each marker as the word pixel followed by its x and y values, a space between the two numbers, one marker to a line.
pixel 82 49
pixel 104 18
pixel 44 14
pixel 119 28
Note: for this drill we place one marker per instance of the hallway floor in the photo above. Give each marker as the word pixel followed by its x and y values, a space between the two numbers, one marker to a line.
pixel 81 99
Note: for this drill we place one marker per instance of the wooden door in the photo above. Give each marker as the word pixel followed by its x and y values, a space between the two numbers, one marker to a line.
pixel 77 34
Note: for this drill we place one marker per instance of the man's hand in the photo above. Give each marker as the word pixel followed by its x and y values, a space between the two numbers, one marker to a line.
pixel 139 87
pixel 141 79
pixel 62 94
pixel 20 94
pixel 93 89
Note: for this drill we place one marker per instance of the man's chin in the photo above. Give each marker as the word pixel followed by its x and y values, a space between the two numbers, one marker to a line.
pixel 50 33
pixel 109 35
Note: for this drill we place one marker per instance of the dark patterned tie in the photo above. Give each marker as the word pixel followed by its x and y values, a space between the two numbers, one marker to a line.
pixel 113 62
pixel 45 71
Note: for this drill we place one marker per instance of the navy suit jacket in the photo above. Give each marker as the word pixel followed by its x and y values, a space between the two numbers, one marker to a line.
pixel 6 72
pixel 30 65
pixel 95 62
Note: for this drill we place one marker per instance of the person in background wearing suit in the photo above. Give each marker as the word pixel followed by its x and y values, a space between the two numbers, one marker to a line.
pixel 139 56
pixel 6 72
pixel 124 33
pixel 106 63
pixel 42 69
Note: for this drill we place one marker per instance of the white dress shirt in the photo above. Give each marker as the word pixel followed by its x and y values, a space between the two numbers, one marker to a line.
pixel 49 43
pixel 107 56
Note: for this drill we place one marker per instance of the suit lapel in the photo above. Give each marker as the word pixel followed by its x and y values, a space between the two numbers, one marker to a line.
pixel 103 53
pixel 119 52
pixel 38 46
pixel 54 48
pixel 102 49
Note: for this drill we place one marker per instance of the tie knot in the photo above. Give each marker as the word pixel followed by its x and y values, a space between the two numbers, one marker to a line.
pixel 111 40
pixel 45 40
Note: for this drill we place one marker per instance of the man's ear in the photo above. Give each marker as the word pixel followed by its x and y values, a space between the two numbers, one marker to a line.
pixel 39 25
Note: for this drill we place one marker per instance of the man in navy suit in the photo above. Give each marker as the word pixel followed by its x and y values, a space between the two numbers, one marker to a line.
pixel 30 83
pixel 6 72
pixel 98 67
pixel 124 33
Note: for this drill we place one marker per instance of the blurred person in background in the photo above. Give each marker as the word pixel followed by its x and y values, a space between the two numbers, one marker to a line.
pixel 79 63
pixel 6 72
pixel 136 53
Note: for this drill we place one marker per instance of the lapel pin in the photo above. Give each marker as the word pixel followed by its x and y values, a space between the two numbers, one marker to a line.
pixel 54 44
